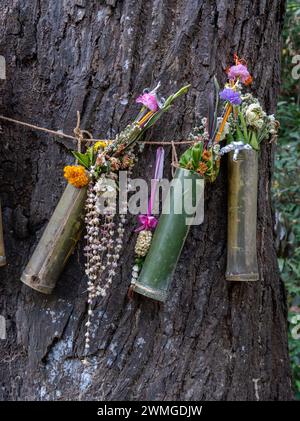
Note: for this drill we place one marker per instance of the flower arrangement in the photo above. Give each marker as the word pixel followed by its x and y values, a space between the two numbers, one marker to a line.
pixel 198 163
pixel 106 157
pixel 247 122
pixel 203 157
pixel 90 182
pixel 248 126
pixel 97 168
pixel 243 125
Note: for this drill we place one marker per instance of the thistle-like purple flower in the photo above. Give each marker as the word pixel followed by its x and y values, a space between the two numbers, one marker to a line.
pixel 230 95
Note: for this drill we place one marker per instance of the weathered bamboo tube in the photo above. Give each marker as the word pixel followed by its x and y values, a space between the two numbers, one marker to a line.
pixel 242 215
pixel 2 247
pixel 57 242
pixel 169 237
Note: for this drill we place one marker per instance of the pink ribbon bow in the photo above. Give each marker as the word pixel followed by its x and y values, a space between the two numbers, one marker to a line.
pixel 148 222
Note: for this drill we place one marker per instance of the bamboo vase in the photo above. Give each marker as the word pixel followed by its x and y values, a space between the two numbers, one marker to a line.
pixel 169 236
pixel 2 248
pixel 57 242
pixel 242 215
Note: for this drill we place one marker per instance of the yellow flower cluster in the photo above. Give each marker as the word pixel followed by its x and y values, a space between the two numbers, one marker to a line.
pixel 76 175
pixel 101 144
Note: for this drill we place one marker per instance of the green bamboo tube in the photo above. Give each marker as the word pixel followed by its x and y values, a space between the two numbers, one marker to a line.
pixel 2 248
pixel 57 242
pixel 168 239
pixel 242 215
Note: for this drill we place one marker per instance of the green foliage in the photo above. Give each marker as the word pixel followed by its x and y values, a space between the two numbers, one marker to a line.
pixel 291 48
pixel 250 123
pixel 86 159
pixel 286 188
pixel 202 160
pixel 288 114
pixel 286 193
pixel 192 157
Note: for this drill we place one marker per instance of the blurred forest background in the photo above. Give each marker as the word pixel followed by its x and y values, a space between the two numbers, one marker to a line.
pixel 286 186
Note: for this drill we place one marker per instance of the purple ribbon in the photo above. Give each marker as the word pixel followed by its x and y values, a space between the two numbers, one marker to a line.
pixel 149 222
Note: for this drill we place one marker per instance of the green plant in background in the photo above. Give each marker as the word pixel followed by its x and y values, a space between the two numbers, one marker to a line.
pixel 286 188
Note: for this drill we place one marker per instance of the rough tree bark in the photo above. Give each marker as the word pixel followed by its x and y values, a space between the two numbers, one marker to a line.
pixel 212 340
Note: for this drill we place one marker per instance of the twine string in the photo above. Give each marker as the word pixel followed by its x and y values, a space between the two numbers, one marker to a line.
pixel 34 127
pixel 84 135
pixel 79 135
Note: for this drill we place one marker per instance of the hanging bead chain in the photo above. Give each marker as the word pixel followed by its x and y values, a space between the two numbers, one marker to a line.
pixel 102 251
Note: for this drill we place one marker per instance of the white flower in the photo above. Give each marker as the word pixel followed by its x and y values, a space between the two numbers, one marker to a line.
pixel 255 116
pixel 106 187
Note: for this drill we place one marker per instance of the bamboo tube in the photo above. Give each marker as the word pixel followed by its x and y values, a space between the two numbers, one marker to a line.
pixel 169 238
pixel 2 247
pixel 57 243
pixel 242 210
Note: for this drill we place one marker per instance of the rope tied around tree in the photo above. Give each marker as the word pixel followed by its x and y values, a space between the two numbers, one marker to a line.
pixel 82 136
pixel 79 133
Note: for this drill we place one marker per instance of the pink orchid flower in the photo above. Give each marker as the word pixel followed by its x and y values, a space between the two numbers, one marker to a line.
pixel 148 100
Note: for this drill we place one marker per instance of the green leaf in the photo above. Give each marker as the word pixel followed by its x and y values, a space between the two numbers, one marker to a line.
pixel 91 155
pixel 217 97
pixel 240 136
pixel 244 126
pixel 253 141
pixel 216 84
pixel 181 91
pixel 168 102
pixel 196 155
pixel 82 158
pixel 185 157
pixel 229 138
pixel 171 98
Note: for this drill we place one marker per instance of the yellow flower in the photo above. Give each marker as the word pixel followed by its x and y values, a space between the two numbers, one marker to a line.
pixel 76 175
pixel 101 144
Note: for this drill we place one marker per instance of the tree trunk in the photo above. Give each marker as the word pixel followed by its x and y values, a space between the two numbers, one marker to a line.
pixel 212 340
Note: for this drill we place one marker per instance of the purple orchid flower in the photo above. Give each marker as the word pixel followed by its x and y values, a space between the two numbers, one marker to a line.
pixel 230 95
pixel 239 71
